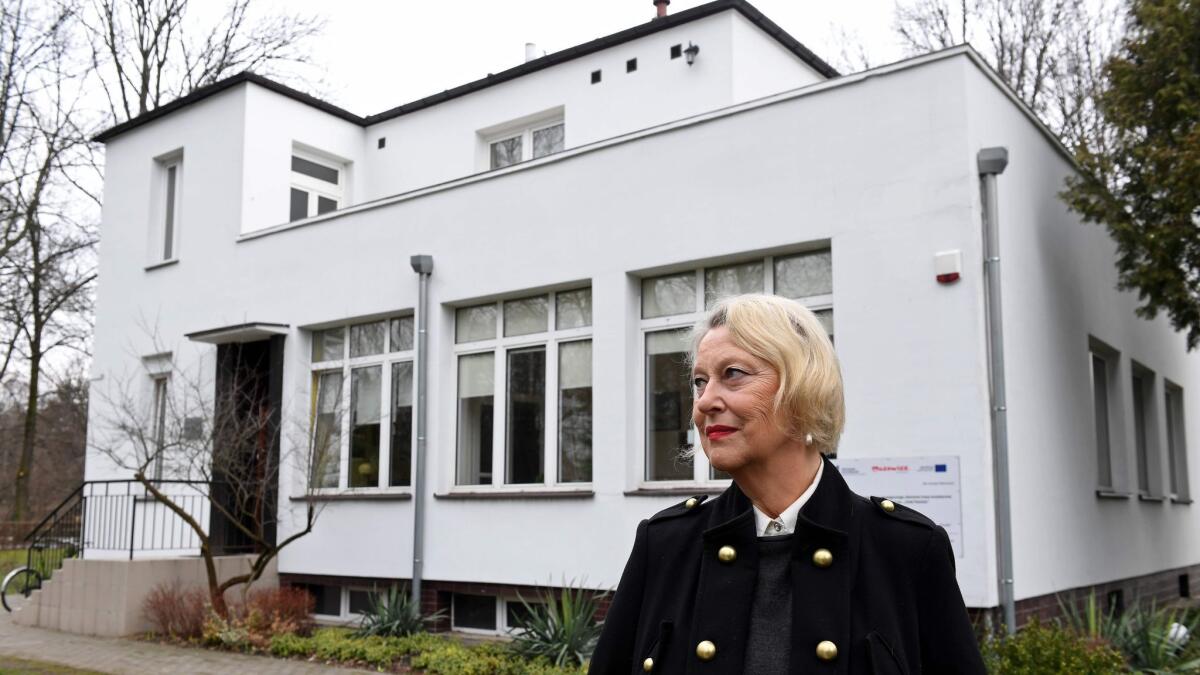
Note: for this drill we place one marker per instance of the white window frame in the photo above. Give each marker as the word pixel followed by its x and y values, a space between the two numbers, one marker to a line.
pixel 165 207
pixel 500 346
pixel 501 603
pixel 1114 402
pixel 1149 441
pixel 701 469
pixel 346 364
pixel 160 404
pixel 525 131
pixel 316 187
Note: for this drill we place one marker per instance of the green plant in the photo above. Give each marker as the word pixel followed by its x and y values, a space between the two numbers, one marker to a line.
pixel 395 615
pixel 561 628
pixel 1049 650
pixel 1150 637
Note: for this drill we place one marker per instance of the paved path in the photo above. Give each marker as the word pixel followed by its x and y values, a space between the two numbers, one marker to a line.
pixel 116 655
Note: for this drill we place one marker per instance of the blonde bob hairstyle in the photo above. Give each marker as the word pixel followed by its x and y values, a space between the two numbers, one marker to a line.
pixel 790 338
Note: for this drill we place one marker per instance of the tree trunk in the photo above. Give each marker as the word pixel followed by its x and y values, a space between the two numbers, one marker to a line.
pixel 28 440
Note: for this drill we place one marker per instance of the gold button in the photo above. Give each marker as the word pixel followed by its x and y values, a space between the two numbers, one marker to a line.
pixel 690 502
pixel 822 557
pixel 706 650
pixel 726 554
pixel 826 650
pixel 648 665
pixel 888 505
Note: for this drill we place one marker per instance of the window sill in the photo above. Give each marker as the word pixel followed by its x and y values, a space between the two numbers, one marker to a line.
pixel 164 263
pixel 1181 500
pixel 517 494
pixel 1111 494
pixel 682 491
pixel 355 497
pixel 1151 498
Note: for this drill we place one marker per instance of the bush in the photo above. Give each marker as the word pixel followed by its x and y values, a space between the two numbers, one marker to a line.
pixel 278 611
pixel 395 615
pixel 176 611
pixel 1151 638
pixel 1043 650
pixel 562 629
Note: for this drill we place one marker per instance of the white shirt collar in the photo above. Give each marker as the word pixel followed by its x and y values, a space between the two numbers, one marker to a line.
pixel 787 519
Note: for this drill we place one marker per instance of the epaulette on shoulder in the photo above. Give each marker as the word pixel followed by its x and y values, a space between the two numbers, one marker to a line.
pixel 899 511
pixel 686 507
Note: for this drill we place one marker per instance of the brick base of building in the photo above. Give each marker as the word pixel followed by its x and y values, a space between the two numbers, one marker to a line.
pixel 1180 585
pixel 1161 588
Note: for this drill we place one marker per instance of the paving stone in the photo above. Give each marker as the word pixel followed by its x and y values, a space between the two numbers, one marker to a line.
pixel 121 656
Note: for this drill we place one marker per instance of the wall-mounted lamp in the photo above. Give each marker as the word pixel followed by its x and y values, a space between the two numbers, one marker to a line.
pixel 691 53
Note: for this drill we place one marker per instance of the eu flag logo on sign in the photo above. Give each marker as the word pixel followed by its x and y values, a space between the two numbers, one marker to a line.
pixel 939 468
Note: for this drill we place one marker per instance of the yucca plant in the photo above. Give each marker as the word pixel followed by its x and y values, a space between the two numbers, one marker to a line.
pixel 561 627
pixel 394 614
pixel 1153 639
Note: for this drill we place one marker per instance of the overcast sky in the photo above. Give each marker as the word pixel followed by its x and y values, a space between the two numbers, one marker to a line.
pixel 377 54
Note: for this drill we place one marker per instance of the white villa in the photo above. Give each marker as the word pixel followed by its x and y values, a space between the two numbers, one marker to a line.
pixel 580 210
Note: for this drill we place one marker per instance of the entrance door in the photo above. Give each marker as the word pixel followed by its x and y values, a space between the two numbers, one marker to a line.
pixel 249 391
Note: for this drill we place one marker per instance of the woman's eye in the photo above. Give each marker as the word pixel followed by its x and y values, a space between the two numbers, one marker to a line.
pixel 733 373
pixel 698 383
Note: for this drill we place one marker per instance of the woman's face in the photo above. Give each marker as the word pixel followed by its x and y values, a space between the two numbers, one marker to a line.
pixel 734 403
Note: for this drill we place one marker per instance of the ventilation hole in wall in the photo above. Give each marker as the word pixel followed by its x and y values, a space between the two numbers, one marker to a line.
pixel 595 77
pixel 1185 586
pixel 382 141
pixel 1114 602
pixel 676 51
pixel 631 65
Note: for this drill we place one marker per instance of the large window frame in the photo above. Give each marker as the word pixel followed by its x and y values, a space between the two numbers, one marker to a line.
pixel 524 137
pixel 1106 402
pixel 502 348
pixel 703 475
pixel 398 355
pixel 167 209
pixel 1177 461
pixel 320 195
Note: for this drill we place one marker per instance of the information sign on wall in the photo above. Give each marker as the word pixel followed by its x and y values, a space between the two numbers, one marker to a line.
pixel 929 485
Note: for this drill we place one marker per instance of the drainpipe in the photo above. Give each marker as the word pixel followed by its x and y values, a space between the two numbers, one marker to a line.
pixel 992 162
pixel 423 266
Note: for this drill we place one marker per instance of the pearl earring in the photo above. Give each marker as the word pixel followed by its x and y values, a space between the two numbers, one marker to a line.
pixel 808 439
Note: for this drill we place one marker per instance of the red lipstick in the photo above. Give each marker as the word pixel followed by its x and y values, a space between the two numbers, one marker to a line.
pixel 718 431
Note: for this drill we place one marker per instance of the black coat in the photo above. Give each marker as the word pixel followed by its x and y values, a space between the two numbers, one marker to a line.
pixel 888 600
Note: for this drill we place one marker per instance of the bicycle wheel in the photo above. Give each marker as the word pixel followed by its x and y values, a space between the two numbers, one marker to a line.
pixel 18 585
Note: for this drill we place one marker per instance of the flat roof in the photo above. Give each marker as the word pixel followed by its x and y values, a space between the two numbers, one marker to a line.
pixel 655 25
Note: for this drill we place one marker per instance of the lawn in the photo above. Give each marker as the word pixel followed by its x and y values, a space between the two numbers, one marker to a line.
pixel 10 559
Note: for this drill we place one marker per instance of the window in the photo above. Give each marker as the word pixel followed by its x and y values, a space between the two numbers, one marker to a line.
pixel 327 599
pixel 371 364
pixel 676 51
pixel 532 142
pixel 511 355
pixel 317 186
pixel 1143 440
pixel 1176 445
pixel 670 306
pixel 631 65
pixel 595 77
pixel 168 199
pixel 488 613
pixel 1104 364
pixel 159 425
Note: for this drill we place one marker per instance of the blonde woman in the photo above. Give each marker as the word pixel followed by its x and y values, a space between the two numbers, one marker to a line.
pixel 787 571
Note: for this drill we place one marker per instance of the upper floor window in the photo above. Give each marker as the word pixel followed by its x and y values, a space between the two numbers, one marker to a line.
pixel 317 186
pixel 168 198
pixel 1104 373
pixel 531 142
pixel 366 370
pixel 525 376
pixel 670 306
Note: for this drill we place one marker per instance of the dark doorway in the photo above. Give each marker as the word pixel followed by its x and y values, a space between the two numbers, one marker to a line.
pixel 246 420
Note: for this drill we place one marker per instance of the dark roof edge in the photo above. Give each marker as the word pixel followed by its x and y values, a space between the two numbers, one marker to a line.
pixel 218 87
pixel 653 26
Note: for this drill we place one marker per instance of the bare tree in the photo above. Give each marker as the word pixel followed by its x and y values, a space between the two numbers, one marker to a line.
pixel 230 449
pixel 148 52
pixel 1050 52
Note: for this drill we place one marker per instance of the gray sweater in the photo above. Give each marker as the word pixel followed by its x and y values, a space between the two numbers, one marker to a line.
pixel 768 646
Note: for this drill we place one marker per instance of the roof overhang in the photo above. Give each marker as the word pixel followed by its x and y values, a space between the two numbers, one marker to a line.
pixel 242 332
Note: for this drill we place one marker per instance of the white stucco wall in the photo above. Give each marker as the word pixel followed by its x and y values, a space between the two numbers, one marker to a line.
pixel 763 66
pixel 1059 281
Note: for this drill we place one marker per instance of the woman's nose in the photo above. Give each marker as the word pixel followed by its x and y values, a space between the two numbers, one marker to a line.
pixel 709 399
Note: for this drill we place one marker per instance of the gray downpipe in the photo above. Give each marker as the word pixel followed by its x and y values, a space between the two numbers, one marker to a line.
pixel 992 162
pixel 423 266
